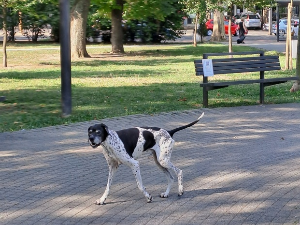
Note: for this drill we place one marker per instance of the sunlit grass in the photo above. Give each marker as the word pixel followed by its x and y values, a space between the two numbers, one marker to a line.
pixel 145 80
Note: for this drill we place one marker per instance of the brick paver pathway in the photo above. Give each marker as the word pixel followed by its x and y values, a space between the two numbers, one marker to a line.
pixel 241 166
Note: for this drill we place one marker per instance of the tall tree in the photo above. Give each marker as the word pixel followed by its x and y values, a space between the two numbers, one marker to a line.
pixel 5 5
pixel 119 10
pixel 199 8
pixel 4 8
pixel 116 27
pixel 296 85
pixel 35 16
pixel 229 28
pixel 79 15
pixel 218 28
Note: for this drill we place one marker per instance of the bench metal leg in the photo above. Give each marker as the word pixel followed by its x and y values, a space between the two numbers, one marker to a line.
pixel 205 92
pixel 205 97
pixel 262 86
pixel 262 93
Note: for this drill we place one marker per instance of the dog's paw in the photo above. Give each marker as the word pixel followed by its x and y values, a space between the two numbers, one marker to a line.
pixel 100 202
pixel 180 193
pixel 149 199
pixel 163 195
pixel 180 190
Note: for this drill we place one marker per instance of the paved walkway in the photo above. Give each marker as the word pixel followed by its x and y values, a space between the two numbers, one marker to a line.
pixel 241 166
pixel 255 38
pixel 261 39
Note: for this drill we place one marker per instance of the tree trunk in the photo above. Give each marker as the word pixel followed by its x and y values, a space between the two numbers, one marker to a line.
pixel 218 29
pixel 296 85
pixel 221 25
pixel 265 16
pixel 12 33
pixel 116 28
pixel 4 35
pixel 79 14
pixel 20 23
pixel 195 30
pixel 288 59
pixel 229 31
pixel 35 34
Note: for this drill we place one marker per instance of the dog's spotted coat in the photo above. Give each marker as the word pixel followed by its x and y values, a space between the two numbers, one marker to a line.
pixel 126 146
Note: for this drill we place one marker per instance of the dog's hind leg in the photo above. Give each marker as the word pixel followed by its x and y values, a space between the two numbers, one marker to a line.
pixel 168 175
pixel 179 176
pixel 178 172
pixel 164 161
pixel 113 166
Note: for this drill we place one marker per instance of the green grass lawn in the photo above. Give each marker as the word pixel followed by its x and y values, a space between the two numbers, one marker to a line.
pixel 145 80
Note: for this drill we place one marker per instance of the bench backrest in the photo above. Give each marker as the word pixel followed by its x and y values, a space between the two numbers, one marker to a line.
pixel 239 65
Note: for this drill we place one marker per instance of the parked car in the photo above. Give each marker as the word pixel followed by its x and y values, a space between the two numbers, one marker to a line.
pixel 227 17
pixel 283 25
pixel 266 26
pixel 237 18
pixel 210 24
pixel 252 20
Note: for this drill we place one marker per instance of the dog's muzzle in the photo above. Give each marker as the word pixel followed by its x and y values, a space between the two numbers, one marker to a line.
pixel 94 142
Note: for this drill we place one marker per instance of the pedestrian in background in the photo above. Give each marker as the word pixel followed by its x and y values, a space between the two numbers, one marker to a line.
pixel 242 31
pixel 295 29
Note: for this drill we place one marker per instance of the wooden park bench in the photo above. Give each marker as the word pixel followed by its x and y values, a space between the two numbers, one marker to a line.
pixel 248 62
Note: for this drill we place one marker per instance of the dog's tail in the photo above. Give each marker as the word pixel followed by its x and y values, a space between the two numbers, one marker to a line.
pixel 172 132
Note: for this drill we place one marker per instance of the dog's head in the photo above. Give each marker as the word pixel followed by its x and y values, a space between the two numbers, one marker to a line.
pixel 97 134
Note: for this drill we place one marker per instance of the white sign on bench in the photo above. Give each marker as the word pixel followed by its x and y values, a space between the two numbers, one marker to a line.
pixel 208 69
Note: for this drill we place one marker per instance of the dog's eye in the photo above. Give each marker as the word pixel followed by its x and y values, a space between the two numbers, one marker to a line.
pixel 98 131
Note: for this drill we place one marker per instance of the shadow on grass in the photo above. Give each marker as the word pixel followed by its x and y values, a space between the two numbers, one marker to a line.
pixel 29 108
pixel 32 108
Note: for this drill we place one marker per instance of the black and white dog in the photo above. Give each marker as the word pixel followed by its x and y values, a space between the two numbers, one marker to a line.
pixel 126 146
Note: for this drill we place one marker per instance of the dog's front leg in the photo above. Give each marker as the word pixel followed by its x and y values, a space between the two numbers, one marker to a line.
pixel 112 166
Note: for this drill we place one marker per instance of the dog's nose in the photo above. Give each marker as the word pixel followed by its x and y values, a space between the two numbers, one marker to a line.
pixel 91 139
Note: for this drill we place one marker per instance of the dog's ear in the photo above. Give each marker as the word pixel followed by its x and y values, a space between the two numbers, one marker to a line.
pixel 105 128
pixel 89 128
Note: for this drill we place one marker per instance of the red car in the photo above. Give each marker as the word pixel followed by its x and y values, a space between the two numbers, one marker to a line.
pixel 210 24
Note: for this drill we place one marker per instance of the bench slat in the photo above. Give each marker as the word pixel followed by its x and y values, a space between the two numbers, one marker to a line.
pixel 271 80
pixel 205 55
pixel 246 66
pixel 228 66
pixel 254 64
pixel 241 64
pixel 244 62
pixel 199 61
pixel 243 70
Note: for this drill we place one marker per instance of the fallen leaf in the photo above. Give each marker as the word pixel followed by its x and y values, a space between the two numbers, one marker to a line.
pixel 182 99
